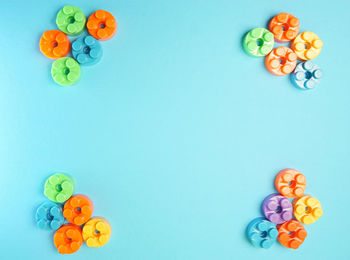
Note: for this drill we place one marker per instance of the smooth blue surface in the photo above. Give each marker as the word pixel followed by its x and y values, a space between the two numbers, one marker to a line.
pixel 176 134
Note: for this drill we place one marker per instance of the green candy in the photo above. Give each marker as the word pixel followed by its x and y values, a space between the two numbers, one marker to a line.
pixel 258 42
pixel 65 71
pixel 71 20
pixel 59 187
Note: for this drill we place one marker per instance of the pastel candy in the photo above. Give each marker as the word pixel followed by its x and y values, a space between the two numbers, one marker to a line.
pixel 49 216
pixel 87 50
pixel 262 233
pixel 306 75
pixel 277 208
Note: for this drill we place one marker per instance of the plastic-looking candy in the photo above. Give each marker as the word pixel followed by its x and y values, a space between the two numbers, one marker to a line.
pixel 87 50
pixel 307 209
pixel 49 216
pixel 290 183
pixel 71 20
pixel 291 234
pixel 59 187
pixel 68 239
pixel 96 232
pixel 65 71
pixel 78 209
pixel 306 75
pixel 284 26
pixel 258 42
pixel 307 45
pixel 102 25
pixel 277 208
pixel 54 44
pixel 262 233
pixel 281 61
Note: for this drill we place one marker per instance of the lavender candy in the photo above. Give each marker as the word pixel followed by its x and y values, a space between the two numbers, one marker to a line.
pixel 277 208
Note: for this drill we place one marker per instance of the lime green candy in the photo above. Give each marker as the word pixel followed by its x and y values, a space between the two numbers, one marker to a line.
pixel 71 20
pixel 65 71
pixel 59 187
pixel 258 42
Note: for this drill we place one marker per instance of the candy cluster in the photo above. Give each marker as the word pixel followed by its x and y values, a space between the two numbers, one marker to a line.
pixel 278 211
pixel 86 49
pixel 284 28
pixel 70 216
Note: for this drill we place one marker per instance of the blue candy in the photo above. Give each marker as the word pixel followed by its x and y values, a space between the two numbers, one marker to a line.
pixel 87 50
pixel 49 216
pixel 306 75
pixel 262 233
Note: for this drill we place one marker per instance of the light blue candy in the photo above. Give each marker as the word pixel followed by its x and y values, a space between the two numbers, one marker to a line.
pixel 262 233
pixel 306 75
pixel 87 50
pixel 49 216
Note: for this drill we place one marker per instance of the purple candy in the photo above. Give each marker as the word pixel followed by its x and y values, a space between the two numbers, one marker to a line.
pixel 277 208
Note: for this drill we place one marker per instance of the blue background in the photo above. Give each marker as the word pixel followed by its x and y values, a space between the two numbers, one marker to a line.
pixel 177 134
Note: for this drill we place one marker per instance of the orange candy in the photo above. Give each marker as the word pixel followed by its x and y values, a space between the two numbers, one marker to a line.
pixel 284 26
pixel 281 61
pixel 290 183
pixel 54 44
pixel 68 239
pixel 291 234
pixel 102 25
pixel 78 209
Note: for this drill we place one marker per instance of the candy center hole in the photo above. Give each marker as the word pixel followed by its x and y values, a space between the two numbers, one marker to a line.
pixel 306 46
pixel 71 19
pixel 49 217
pixel 263 234
pixel 308 210
pixel 259 42
pixel 308 75
pixel 66 71
pixel 291 184
pixel 55 44
pixel 78 210
pixel 86 49
pixel 59 187
pixel 102 25
pixel 291 234
pixel 97 232
pixel 278 209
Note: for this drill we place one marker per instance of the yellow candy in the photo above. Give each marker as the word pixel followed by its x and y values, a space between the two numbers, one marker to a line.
pixel 307 209
pixel 307 45
pixel 96 232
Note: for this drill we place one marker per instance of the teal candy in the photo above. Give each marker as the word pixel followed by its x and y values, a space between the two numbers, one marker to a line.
pixel 306 75
pixel 87 50
pixel 262 233
pixel 49 216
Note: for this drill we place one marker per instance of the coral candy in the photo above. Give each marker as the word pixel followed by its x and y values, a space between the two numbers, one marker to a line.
pixel 71 20
pixel 59 187
pixel 102 25
pixel 54 44
pixel 87 50
pixel 290 183
pixel 277 208
pixel 96 232
pixel 65 71
pixel 291 234
pixel 258 42
pixel 262 233
pixel 78 209
pixel 68 239
pixel 306 75
pixel 307 45
pixel 307 209
pixel 281 61
pixel 49 216
pixel 284 27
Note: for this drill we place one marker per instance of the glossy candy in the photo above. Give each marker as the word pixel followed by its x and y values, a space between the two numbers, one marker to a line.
pixel 65 71
pixel 54 44
pixel 102 25
pixel 49 216
pixel 290 183
pixel 281 61
pixel 78 209
pixel 284 26
pixel 258 42
pixel 87 50
pixel 306 75
pixel 59 187
pixel 291 234
pixel 96 232
pixel 307 45
pixel 277 208
pixel 307 209
pixel 68 239
pixel 262 233
pixel 71 20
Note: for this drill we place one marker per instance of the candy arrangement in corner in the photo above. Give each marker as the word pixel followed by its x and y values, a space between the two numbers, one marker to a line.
pixel 86 49
pixel 70 216
pixel 284 28
pixel 278 210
